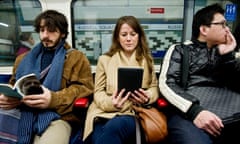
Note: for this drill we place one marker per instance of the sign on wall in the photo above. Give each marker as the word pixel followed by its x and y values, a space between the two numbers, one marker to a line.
pixel 231 12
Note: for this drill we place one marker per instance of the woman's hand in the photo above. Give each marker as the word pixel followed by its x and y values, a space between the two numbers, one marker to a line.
pixel 8 103
pixel 118 99
pixel 140 96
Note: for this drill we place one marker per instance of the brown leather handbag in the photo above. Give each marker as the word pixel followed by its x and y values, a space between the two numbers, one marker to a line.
pixel 153 123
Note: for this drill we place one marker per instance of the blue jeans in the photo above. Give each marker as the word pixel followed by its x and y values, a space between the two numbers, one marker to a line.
pixel 182 131
pixel 118 130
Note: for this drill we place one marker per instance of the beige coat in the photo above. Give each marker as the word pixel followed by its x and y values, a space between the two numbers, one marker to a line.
pixel 106 84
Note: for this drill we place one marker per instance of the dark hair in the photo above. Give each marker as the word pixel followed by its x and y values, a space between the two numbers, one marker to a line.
pixel 204 17
pixel 25 36
pixel 53 20
pixel 142 49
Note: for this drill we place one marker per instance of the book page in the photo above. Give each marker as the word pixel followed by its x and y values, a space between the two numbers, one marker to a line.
pixel 8 90
pixel 28 85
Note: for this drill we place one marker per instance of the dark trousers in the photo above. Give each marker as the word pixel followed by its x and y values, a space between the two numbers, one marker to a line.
pixel 182 131
pixel 118 130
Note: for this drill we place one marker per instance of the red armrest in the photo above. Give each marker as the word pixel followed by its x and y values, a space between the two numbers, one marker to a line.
pixel 162 103
pixel 84 103
pixel 81 103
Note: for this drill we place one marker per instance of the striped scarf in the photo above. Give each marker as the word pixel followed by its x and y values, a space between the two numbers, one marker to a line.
pixel 35 121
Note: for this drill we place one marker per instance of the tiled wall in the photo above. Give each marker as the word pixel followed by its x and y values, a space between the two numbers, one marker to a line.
pixel 94 44
pixel 94 21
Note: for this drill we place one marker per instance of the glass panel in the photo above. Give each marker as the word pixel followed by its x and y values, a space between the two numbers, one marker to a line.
pixel 94 21
pixel 16 16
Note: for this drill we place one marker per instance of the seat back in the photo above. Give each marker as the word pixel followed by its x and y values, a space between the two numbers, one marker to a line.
pixel 4 78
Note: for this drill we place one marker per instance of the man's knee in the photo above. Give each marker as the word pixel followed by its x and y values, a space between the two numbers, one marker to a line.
pixel 58 132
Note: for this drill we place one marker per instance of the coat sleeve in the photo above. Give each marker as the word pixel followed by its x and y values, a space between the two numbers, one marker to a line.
pixel 169 84
pixel 153 88
pixel 101 98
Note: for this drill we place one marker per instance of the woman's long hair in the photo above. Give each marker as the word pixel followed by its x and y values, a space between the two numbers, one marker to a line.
pixel 142 50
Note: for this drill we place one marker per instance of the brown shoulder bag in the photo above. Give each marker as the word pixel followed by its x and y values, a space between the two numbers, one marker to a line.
pixel 153 123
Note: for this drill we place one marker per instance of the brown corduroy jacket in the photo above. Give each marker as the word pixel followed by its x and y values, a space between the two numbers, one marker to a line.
pixel 77 82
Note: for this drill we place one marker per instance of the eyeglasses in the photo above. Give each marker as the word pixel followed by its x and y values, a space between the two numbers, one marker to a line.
pixel 223 23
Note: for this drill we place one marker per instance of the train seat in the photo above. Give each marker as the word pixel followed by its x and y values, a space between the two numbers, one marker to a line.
pixel 4 78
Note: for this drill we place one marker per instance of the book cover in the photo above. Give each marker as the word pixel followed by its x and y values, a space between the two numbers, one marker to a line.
pixel 129 78
pixel 26 85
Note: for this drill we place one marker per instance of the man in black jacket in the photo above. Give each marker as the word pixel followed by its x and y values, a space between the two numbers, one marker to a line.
pixel 211 60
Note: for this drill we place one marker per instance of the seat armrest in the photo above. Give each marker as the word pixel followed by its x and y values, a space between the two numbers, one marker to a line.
pixel 81 102
pixel 84 103
pixel 162 103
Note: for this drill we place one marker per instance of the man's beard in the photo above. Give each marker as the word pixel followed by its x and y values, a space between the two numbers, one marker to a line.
pixel 50 41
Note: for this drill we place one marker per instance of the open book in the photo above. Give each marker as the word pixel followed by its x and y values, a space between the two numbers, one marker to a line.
pixel 129 78
pixel 26 85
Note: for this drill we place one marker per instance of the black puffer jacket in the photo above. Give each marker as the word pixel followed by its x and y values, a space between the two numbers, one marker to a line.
pixel 206 68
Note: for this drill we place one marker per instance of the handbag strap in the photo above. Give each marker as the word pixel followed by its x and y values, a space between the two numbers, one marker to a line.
pixel 138 132
pixel 185 66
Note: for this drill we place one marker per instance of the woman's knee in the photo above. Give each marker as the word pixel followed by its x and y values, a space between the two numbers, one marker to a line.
pixel 124 124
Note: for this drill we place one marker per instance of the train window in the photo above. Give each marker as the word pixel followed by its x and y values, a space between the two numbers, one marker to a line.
pixel 94 21
pixel 16 16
